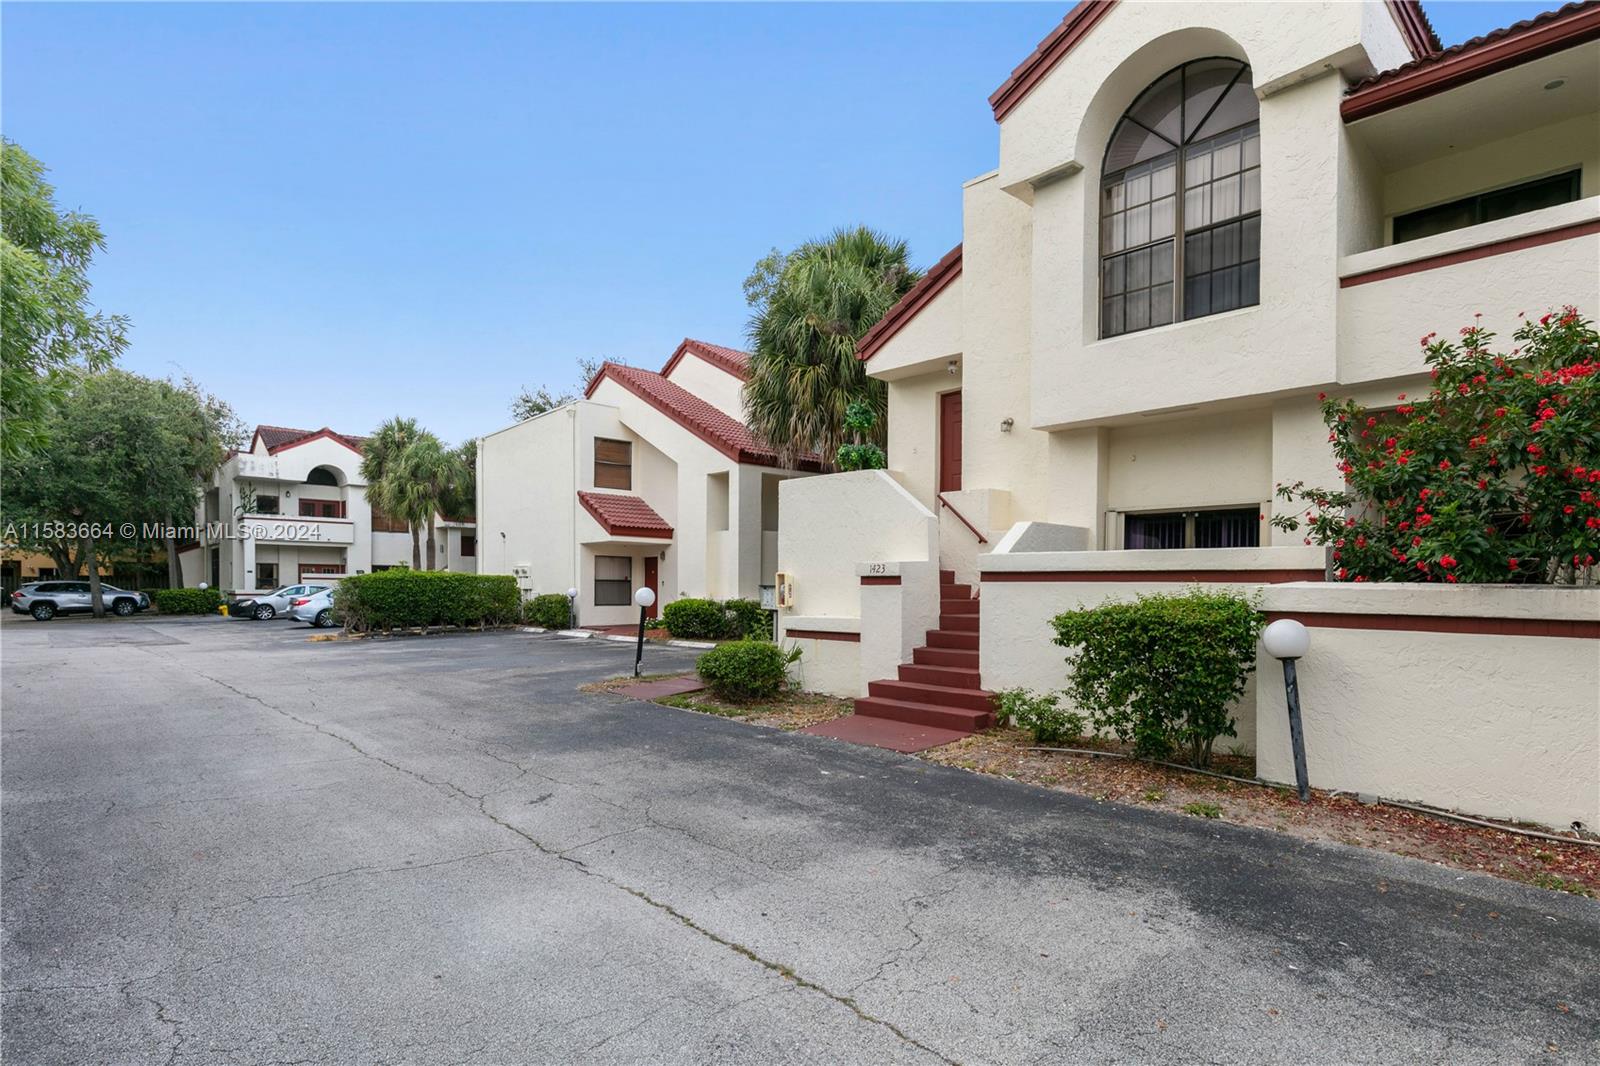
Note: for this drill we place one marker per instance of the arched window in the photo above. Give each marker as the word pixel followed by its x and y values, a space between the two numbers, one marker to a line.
pixel 1185 160
pixel 322 475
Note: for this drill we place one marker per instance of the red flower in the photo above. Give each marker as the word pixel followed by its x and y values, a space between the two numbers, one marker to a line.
pixel 1512 563
pixel 1447 561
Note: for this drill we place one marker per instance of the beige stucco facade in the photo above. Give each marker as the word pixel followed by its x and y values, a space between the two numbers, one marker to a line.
pixel 1067 433
pixel 252 531
pixel 722 512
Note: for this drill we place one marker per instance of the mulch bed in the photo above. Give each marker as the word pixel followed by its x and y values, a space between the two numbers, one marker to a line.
pixel 1342 818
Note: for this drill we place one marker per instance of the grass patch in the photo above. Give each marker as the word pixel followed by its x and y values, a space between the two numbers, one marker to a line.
pixel 1203 810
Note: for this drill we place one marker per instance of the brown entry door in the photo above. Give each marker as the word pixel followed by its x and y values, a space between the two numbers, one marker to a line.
pixel 650 582
pixel 950 441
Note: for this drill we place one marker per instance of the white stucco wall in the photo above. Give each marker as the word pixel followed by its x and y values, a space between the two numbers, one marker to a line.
pixel 913 425
pixel 716 386
pixel 527 495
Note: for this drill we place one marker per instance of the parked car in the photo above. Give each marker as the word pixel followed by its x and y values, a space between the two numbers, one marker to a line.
pixel 46 599
pixel 262 606
pixel 317 609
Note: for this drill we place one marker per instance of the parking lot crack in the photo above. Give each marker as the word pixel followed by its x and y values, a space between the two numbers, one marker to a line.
pixel 667 909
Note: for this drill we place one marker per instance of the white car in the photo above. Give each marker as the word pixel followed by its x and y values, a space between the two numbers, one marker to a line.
pixel 267 605
pixel 317 608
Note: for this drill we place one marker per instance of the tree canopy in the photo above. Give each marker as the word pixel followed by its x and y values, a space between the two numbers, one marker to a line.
pixel 49 333
pixel 530 403
pixel 811 306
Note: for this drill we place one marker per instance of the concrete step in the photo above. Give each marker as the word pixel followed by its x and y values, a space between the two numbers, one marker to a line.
pixel 958 623
pixel 958 606
pixel 949 676
pixel 924 714
pixel 947 577
pixel 955 592
pixel 972 699
pixel 958 657
pixel 949 638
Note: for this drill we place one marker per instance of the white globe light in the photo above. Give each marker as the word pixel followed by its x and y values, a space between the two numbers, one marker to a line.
pixel 645 597
pixel 1286 639
pixel 202 586
pixel 572 594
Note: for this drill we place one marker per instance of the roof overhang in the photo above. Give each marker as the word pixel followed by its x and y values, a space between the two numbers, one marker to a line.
pixel 938 278
pixel 708 354
pixel 1546 35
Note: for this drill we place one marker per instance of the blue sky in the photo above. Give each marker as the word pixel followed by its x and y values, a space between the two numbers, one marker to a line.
pixel 331 213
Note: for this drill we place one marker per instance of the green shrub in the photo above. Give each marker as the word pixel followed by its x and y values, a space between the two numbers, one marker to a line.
pixel 549 611
pixel 742 670
pixel 187 601
pixel 693 619
pixel 1041 715
pixel 747 620
pixel 402 599
pixel 1162 672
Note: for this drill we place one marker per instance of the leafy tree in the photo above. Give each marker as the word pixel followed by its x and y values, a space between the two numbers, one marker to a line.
pixel 126 450
pixel 532 402
pixel 812 306
pixel 48 333
pixel 1493 476
pixel 860 454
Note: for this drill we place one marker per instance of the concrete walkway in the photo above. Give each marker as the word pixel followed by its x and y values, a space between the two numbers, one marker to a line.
pixel 224 843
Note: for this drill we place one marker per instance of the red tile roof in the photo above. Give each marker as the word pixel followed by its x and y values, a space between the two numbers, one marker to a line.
pixel 920 295
pixel 732 360
pixel 717 428
pixel 277 438
pixel 1408 15
pixel 1522 42
pixel 624 516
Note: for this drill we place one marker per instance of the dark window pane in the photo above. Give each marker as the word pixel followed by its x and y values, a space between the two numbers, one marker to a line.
pixel 1252 237
pixel 1138 269
pixel 1196 254
pixel 1111 317
pixel 1138 310
pixel 1488 206
pixel 1161 305
pixel 1225 245
pixel 1132 144
pixel 1111 280
pixel 1145 531
pixel 1530 197
pixel 1158 107
pixel 1161 262
pixel 1205 82
pixel 1237 108
pixel 1225 289
pixel 1228 529
pixel 1197 296
pixel 1431 220
pixel 1250 284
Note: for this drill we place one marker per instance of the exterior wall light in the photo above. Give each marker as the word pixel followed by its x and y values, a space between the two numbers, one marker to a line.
pixel 572 607
pixel 645 598
pixel 1006 424
pixel 953 367
pixel 1286 640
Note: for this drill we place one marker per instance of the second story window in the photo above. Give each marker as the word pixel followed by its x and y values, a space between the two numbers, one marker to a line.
pixel 321 508
pixel 1180 200
pixel 1489 206
pixel 613 464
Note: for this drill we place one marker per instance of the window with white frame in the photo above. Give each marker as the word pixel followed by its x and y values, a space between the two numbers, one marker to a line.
pixel 1184 162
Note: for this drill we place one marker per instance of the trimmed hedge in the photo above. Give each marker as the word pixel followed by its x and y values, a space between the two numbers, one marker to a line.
pixel 748 620
pixel 548 611
pixel 743 670
pixel 693 619
pixel 404 599
pixel 187 601
pixel 1162 673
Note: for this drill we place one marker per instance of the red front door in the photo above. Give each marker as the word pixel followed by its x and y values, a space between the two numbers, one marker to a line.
pixel 950 441
pixel 650 581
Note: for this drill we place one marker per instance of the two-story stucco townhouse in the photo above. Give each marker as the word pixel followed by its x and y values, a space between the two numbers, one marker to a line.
pixel 292 506
pixel 1203 216
pixel 652 479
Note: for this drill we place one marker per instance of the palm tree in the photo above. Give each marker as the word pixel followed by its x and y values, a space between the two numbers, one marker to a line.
pixel 380 456
pixel 804 374
pixel 429 478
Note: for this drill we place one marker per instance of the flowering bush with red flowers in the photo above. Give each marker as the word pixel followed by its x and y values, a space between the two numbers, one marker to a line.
pixel 1494 476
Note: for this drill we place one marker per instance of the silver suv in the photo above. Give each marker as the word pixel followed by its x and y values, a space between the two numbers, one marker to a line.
pixel 46 599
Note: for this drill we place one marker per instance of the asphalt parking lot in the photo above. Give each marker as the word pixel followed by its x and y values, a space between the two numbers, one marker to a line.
pixel 225 842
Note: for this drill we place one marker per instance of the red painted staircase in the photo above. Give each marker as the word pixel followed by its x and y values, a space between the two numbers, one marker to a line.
pixel 937 697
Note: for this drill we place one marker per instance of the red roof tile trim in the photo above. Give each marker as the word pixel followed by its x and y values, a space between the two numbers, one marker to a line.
pixel 717 428
pixel 732 360
pixel 1052 50
pixel 1414 27
pixel 1546 34
pixel 920 295
pixel 277 438
pixel 624 516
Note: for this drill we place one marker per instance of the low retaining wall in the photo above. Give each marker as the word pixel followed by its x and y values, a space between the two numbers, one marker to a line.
pixel 1480 698
pixel 830 647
